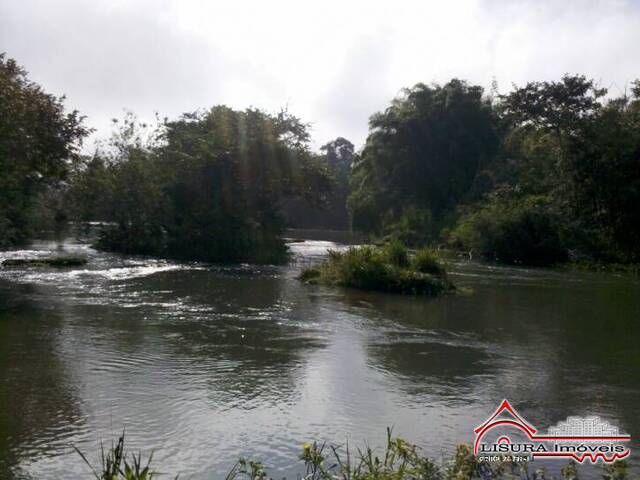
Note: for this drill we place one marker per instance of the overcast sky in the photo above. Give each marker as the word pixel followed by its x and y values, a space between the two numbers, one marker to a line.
pixel 333 63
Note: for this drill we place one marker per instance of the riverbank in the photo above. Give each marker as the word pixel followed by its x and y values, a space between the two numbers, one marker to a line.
pixel 398 460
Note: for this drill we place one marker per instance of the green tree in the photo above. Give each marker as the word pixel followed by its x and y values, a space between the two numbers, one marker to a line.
pixel 89 185
pixel 209 184
pixel 39 143
pixel 422 153
pixel 567 141
pixel 566 179
pixel 331 211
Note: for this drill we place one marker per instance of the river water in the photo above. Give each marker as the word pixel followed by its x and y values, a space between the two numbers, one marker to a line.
pixel 204 364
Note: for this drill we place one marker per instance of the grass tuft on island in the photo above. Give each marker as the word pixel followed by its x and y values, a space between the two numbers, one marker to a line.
pixel 56 262
pixel 388 268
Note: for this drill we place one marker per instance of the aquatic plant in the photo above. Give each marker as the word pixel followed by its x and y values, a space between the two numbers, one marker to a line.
pixel 388 268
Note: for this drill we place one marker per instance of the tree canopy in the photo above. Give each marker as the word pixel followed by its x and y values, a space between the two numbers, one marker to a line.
pixel 423 152
pixel 39 144
pixel 544 173
pixel 206 186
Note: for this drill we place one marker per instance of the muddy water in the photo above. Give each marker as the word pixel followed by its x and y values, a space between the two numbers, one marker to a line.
pixel 204 364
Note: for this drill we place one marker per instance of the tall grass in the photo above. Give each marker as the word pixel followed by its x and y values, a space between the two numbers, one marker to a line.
pixel 115 466
pixel 389 268
pixel 401 460
pixel 397 460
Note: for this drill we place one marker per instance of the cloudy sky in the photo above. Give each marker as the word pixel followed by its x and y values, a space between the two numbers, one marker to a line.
pixel 333 63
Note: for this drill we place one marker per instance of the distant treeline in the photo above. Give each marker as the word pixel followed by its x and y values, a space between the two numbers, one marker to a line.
pixel 543 174
pixel 548 172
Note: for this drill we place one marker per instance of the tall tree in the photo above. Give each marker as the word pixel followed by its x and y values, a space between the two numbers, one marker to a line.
pixel 422 153
pixel 39 142
pixel 210 188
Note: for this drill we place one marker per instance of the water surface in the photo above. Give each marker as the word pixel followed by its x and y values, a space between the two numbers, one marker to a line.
pixel 204 364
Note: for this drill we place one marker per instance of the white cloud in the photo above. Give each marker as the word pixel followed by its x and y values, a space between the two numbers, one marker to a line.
pixel 333 62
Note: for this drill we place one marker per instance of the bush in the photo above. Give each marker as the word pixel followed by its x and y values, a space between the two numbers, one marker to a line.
pixel 386 269
pixel 526 232
pixel 143 239
pixel 362 267
pixel 414 227
pixel 241 244
pixel 395 253
pixel 426 261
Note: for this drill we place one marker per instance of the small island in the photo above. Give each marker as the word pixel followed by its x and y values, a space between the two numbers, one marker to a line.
pixel 57 262
pixel 389 268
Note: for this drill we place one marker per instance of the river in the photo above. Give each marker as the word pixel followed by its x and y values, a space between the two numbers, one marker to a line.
pixel 204 364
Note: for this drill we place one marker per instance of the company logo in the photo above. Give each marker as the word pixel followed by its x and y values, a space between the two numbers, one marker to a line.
pixel 505 435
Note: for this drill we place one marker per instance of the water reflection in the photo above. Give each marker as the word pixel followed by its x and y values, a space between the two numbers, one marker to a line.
pixel 40 410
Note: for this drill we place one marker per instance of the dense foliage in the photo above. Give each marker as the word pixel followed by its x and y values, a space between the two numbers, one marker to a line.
pixel 337 156
pixel 206 186
pixel 421 159
pixel 548 172
pixel 39 144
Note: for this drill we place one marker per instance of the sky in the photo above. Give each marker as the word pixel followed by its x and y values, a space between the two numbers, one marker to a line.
pixel 332 63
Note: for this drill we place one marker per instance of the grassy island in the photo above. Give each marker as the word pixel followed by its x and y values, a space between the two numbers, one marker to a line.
pixel 389 268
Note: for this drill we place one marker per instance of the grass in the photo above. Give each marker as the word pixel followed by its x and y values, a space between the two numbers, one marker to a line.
pixel 115 466
pixel 398 460
pixel 388 268
pixel 57 262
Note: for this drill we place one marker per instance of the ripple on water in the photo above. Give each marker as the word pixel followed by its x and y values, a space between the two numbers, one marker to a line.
pixel 204 364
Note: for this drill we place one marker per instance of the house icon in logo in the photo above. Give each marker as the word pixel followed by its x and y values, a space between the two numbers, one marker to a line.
pixel 512 418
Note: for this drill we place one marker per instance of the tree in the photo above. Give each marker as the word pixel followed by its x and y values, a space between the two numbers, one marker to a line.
pixel 423 152
pixel 567 178
pixel 331 211
pixel 605 176
pixel 208 187
pixel 39 143
pixel 586 153
pixel 339 155
pixel 558 106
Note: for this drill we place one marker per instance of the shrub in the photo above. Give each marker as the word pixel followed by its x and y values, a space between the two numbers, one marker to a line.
pixel 395 253
pixel 525 232
pixel 143 239
pixel 387 269
pixel 414 227
pixel 362 267
pixel 241 244
pixel 426 261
